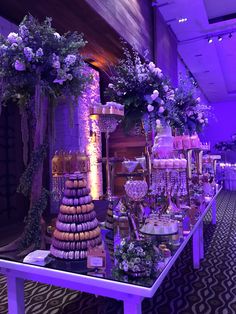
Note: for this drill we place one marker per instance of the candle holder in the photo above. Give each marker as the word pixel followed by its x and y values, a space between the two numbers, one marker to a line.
pixel 107 124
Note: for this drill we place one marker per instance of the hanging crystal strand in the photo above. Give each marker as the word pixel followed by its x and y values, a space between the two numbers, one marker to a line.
pixel 24 133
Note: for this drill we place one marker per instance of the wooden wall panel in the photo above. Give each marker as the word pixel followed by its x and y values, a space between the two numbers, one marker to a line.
pixel 132 19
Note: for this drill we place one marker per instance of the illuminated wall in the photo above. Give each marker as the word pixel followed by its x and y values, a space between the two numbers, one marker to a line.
pixel 90 136
pixel 84 136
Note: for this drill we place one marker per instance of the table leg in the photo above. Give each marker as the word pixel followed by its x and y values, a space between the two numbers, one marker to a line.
pixel 201 240
pixel 15 288
pixel 214 212
pixel 133 305
pixel 196 248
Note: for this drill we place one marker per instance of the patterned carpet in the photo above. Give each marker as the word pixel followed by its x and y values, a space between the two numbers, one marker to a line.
pixel 211 289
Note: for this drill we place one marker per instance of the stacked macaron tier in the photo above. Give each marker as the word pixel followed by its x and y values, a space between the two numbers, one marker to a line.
pixel 109 223
pixel 77 226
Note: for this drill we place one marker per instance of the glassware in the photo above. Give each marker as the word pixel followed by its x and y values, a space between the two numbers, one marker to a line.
pixel 142 162
pixel 136 189
pixel 130 165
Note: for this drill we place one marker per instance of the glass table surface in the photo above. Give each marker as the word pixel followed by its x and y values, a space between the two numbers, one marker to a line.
pixel 175 243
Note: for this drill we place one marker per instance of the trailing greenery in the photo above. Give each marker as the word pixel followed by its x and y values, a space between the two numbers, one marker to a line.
pixel 32 231
pixel 27 177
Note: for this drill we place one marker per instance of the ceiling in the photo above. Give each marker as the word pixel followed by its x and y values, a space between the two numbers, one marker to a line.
pixel 213 65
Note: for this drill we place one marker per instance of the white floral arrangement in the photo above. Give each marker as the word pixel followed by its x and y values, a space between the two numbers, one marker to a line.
pixel 137 258
pixel 37 54
pixel 142 88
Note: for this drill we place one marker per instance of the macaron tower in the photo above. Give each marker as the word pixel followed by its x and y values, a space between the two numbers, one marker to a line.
pixel 76 226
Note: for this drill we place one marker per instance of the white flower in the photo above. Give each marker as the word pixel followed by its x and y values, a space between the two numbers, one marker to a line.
pixel 28 52
pixel 69 77
pixel 3 47
pixel 150 108
pixel 155 94
pixel 198 99
pixel 161 102
pixel 13 37
pixel 206 120
pixel 19 66
pixel 14 46
pixel 158 122
pixel 161 109
pixel 141 77
pixel 201 121
pixel 70 60
pixel 137 260
pixel 200 115
pixel 56 64
pixel 23 30
pixel 110 85
pixel 126 267
pixel 166 88
pixel 39 53
pixel 151 66
pixel 57 35
pixel 158 72
pixel 131 246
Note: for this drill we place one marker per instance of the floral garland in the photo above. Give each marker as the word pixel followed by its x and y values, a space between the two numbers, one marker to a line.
pixel 192 115
pixel 137 258
pixel 142 88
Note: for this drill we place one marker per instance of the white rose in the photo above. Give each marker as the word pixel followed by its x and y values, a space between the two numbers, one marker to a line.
pixel 166 88
pixel 199 115
pixel 155 94
pixel 151 66
pixel 161 109
pixel 150 108
pixel 158 72
pixel 13 38
pixel 19 66
pixel 57 35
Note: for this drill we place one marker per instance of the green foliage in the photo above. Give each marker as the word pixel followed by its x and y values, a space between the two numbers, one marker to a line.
pixel 32 231
pixel 137 257
pixel 27 177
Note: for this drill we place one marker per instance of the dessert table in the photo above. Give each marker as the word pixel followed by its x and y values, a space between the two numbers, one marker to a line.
pixel 71 275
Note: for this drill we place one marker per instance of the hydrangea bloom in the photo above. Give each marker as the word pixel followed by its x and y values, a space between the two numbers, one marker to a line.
pixel 39 53
pixel 14 38
pixel 19 66
pixel 23 31
pixel 28 52
pixel 70 60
